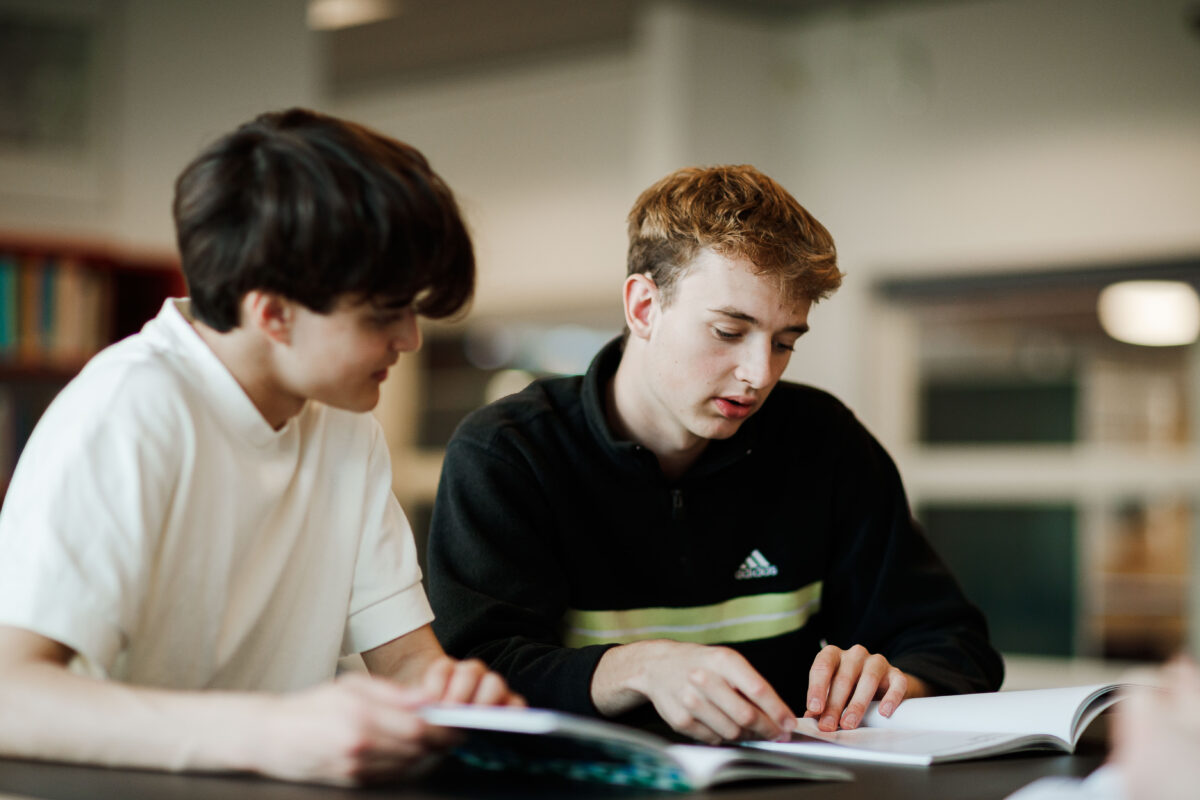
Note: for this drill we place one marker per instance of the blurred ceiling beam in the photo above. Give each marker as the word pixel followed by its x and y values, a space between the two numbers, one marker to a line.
pixel 427 39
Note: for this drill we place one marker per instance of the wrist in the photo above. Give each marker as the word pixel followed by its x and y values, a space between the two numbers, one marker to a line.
pixel 252 730
pixel 621 681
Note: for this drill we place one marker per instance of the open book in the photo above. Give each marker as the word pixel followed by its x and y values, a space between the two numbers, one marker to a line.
pixel 555 743
pixel 930 730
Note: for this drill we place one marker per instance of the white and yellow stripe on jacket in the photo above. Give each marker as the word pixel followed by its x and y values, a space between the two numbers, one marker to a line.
pixel 740 619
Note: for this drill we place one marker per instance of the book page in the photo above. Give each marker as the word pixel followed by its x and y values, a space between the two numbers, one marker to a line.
pixel 707 765
pixel 1053 712
pixel 894 746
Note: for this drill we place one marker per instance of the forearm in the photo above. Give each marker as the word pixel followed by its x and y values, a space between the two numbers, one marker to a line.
pixel 47 712
pixel 407 658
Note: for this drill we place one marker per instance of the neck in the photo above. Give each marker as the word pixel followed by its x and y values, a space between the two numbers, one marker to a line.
pixel 638 415
pixel 248 359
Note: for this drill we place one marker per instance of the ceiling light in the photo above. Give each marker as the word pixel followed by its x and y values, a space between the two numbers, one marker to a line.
pixel 1154 313
pixel 329 15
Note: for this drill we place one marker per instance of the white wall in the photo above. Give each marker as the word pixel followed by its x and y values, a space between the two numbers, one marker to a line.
pixel 173 76
pixel 191 71
pixel 988 135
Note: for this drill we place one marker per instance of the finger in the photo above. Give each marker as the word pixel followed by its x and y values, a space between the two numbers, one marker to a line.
pixel 776 717
pixel 697 730
pixel 897 689
pixel 824 667
pixel 464 680
pixel 395 731
pixel 751 720
pixel 437 678
pixel 842 686
pixel 874 670
pixel 403 734
pixel 692 714
pixel 491 691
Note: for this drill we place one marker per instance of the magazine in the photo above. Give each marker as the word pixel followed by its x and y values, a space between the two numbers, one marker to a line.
pixel 548 742
pixel 932 730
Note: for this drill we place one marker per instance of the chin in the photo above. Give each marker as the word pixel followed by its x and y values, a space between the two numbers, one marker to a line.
pixel 721 429
pixel 368 404
pixel 361 404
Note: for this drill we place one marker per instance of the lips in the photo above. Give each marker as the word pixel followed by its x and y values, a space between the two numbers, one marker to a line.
pixel 735 407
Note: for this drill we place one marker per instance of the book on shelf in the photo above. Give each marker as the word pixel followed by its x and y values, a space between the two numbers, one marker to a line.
pixel 52 310
pixel 932 730
pixel 9 303
pixel 555 743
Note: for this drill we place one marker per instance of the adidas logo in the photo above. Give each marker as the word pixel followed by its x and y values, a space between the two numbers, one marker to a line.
pixel 755 566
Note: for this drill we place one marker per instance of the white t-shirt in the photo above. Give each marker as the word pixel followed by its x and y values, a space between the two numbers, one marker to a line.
pixel 161 528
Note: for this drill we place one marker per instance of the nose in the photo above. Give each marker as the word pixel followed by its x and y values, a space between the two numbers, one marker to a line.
pixel 407 336
pixel 756 367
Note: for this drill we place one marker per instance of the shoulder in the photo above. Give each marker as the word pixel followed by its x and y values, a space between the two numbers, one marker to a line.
pixel 127 384
pixel 806 407
pixel 827 429
pixel 543 406
pixel 117 425
pixel 531 426
pixel 801 416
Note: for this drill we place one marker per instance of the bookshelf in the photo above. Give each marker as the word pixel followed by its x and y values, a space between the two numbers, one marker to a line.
pixel 1053 466
pixel 61 302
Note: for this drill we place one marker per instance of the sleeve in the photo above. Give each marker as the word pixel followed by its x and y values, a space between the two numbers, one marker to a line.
pixel 888 590
pixel 387 599
pixel 496 581
pixel 83 516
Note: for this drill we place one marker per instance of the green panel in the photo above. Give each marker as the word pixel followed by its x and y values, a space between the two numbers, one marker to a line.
pixel 977 412
pixel 1018 564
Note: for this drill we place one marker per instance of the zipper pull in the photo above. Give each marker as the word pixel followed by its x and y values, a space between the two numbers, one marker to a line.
pixel 677 504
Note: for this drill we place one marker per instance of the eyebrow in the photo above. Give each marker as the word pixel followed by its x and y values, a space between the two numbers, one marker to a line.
pixel 733 313
pixel 390 303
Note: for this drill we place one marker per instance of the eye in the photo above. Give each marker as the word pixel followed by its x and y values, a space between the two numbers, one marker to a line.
pixel 725 335
pixel 785 346
pixel 385 319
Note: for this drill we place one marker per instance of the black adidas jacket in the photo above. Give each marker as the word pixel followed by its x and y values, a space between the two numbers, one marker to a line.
pixel 541 515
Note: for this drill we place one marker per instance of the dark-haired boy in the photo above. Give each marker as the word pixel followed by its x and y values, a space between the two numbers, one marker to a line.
pixel 679 529
pixel 202 521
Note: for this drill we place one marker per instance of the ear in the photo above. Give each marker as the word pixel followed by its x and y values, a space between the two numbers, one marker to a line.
pixel 641 298
pixel 270 313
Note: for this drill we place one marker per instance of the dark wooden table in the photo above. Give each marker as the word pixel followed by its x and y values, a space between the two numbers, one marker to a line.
pixel 982 780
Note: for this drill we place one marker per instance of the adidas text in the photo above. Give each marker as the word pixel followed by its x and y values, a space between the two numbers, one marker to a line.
pixel 755 566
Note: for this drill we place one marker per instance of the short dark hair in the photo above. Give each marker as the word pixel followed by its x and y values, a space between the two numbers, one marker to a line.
pixel 737 211
pixel 314 208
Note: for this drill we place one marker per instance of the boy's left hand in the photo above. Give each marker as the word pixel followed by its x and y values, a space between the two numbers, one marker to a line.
pixel 842 682
pixel 448 680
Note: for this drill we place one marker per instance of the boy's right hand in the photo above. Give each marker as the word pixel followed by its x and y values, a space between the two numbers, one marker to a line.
pixel 706 692
pixel 448 680
pixel 357 729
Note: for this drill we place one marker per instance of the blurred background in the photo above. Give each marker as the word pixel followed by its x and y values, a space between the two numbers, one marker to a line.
pixel 990 169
